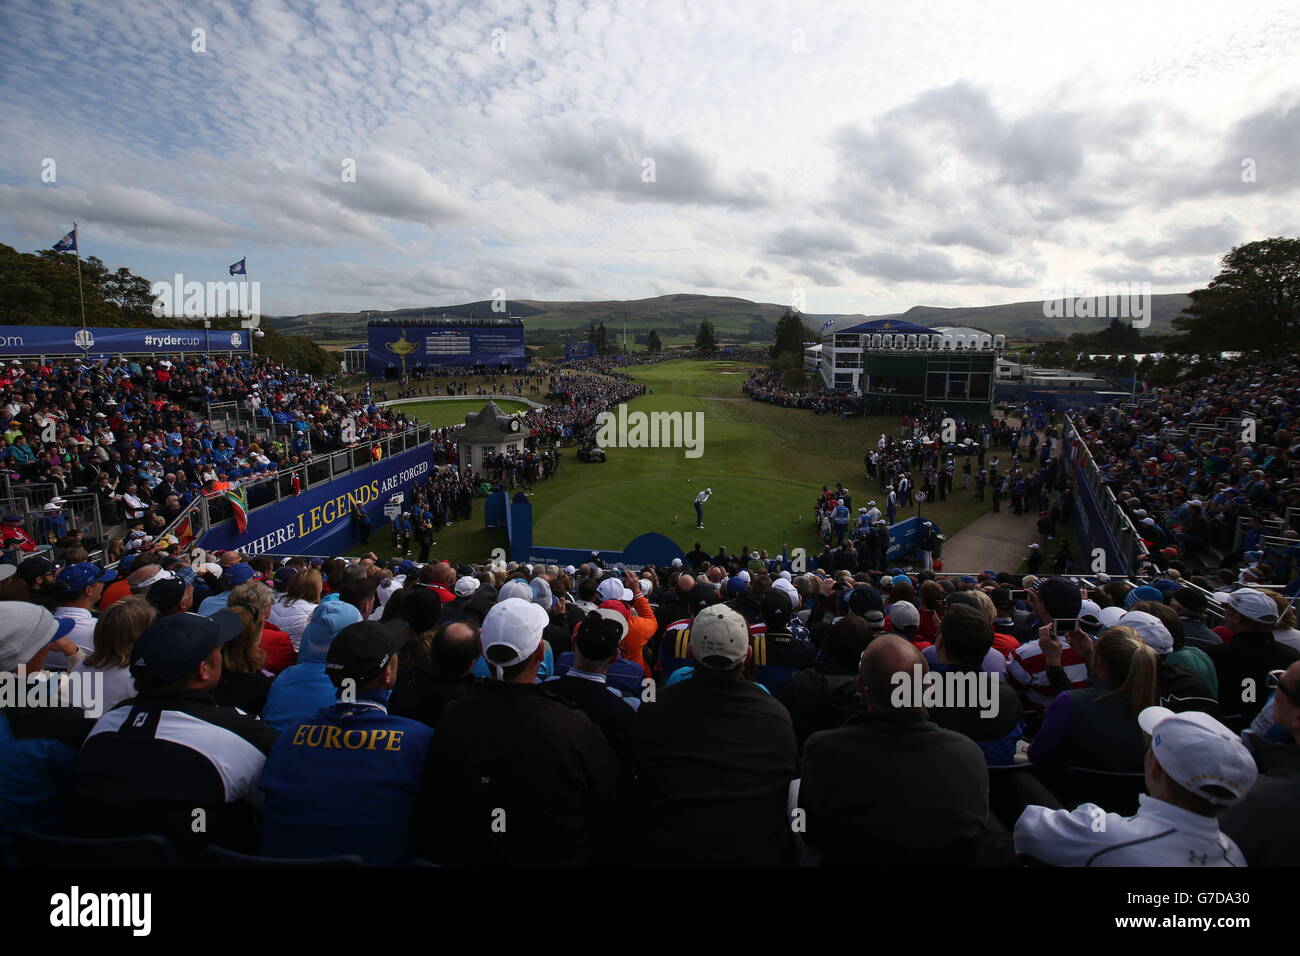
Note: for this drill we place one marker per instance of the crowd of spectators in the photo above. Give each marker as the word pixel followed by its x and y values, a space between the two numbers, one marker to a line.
pixel 536 714
pixel 1186 491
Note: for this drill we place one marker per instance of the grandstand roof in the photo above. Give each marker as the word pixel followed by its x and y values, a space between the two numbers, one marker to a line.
pixel 887 325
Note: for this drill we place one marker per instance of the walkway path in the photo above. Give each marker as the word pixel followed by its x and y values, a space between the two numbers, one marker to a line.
pixel 997 541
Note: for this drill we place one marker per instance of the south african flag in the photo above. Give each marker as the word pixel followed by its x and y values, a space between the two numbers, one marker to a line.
pixel 239 505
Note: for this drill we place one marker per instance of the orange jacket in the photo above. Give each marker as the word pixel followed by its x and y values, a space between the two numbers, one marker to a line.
pixel 640 630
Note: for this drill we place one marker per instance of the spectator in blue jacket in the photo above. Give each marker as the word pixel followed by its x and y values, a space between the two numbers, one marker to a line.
pixel 304 688
pixel 350 779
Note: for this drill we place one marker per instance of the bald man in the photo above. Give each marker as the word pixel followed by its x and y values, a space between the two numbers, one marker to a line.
pixel 891 787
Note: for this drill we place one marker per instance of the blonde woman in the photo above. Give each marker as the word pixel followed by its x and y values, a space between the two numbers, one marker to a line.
pixel 291 612
pixel 115 632
pixel 245 682
pixel 1096 726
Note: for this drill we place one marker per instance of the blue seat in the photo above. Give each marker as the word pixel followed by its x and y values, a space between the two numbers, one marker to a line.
pixel 45 849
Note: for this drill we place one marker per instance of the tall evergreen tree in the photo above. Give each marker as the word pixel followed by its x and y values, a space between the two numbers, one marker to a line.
pixel 705 339
pixel 652 344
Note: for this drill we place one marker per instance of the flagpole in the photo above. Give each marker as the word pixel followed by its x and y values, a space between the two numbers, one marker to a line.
pixel 76 246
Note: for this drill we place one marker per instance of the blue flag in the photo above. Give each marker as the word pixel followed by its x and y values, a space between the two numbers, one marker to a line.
pixel 68 243
pixel 239 269
pixel 827 324
pixel 365 394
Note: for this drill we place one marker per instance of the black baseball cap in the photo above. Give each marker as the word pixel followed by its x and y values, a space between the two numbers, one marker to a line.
pixel 32 568
pixel 173 646
pixel 362 650
pixel 1193 599
pixel 865 601
pixel 776 606
pixel 1060 597
pixel 597 637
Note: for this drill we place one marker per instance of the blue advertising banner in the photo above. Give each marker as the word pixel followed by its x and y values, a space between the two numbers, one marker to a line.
pixel 1091 529
pixel 100 343
pixel 406 347
pixel 651 548
pixel 579 350
pixel 319 521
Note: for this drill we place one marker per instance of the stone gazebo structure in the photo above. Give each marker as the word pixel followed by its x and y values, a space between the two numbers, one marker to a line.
pixel 487 432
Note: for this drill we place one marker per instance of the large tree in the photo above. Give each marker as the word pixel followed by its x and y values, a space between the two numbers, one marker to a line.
pixel 1254 301
pixel 653 344
pixel 791 337
pixel 705 339
pixel 599 337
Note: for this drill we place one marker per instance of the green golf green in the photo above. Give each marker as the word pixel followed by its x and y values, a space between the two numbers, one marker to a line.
pixel 765 464
pixel 453 410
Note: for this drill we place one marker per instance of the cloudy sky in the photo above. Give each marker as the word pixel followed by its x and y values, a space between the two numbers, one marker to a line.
pixel 854 157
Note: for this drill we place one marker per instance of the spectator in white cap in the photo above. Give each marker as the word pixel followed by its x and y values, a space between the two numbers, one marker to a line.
pixel 1195 767
pixel 522 777
pixel 1187 678
pixel 1243 664
pixel 714 757
pixel 1265 825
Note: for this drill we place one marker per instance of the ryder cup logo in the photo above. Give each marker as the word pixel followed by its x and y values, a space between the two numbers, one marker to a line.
pixel 83 339
pixel 236 340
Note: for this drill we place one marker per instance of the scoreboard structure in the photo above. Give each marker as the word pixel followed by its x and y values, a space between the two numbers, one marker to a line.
pixel 579 350
pixel 397 347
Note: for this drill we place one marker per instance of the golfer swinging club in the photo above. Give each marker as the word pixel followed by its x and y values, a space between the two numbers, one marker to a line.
pixel 702 497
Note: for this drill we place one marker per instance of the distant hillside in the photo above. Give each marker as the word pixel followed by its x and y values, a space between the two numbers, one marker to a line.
pixel 1023 320
pixel 677 317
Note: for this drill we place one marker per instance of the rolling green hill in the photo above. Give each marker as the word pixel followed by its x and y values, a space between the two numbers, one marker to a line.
pixel 677 317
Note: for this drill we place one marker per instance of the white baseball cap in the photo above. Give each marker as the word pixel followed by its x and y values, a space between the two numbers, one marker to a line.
pixel 1198 752
pixel 516 624
pixel 1251 604
pixel 783 584
pixel 719 632
pixel 677 562
pixel 612 589
pixel 1151 629
pixel 646 585
pixel 1109 616
pixel 1090 612
pixel 904 614
pixel 515 588
pixel 466 586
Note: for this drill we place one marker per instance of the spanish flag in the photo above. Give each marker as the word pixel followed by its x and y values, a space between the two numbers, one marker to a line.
pixel 239 505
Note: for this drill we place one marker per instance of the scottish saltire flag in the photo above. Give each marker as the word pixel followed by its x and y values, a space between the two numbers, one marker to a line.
pixel 827 324
pixel 240 268
pixel 68 243
pixel 365 394
pixel 239 505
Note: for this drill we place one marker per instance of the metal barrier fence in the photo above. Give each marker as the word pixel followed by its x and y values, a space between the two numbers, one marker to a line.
pixel 1126 536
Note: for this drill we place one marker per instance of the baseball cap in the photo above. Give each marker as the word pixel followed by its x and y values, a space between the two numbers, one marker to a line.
pixel 784 585
pixel 515 589
pixel 166 595
pixel 75 578
pixel 1251 604
pixel 736 584
pixel 598 635
pixel 1193 599
pixel 903 614
pixel 466 586
pixel 24 630
pixel 32 568
pixel 284 576
pixel 541 593
pixel 719 638
pixel 1199 753
pixel 175 645
pixel 1060 597
pixel 1151 629
pixel 612 589
pixel 1090 613
pixel 515 623
pixel 240 573
pixel 776 605
pixel 362 650
pixel 327 621
pixel 865 601
pixel 677 563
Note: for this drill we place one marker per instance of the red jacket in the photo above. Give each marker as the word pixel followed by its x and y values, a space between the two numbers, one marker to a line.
pixel 279 649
